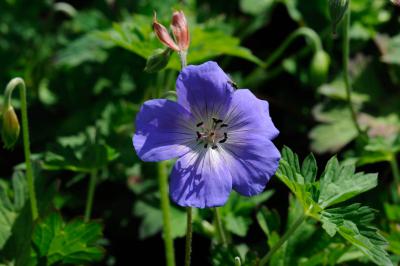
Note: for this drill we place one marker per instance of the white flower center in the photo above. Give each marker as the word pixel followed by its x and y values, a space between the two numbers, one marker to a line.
pixel 211 133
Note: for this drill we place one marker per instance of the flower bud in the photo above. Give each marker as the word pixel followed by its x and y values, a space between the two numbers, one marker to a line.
pixel 319 67
pixel 163 35
pixel 180 30
pixel 337 9
pixel 10 128
pixel 158 60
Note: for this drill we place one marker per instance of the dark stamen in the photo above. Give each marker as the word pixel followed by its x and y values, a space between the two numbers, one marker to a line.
pixel 205 146
pixel 223 125
pixel 214 147
pixel 198 135
pixel 216 121
pixel 224 139
pixel 199 124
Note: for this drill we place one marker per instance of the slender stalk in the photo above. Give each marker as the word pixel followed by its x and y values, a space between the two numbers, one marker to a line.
pixel 346 74
pixel 25 136
pixel 90 194
pixel 396 174
pixel 220 228
pixel 306 32
pixel 283 239
pixel 182 58
pixel 166 215
pixel 188 245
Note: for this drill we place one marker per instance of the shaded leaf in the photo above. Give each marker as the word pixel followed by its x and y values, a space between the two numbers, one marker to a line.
pixel 71 243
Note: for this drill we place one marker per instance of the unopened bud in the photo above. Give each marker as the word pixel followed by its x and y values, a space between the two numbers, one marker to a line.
pixel 158 60
pixel 319 67
pixel 337 9
pixel 10 128
pixel 163 35
pixel 180 30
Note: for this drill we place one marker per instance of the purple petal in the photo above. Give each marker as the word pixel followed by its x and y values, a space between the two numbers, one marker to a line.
pixel 204 89
pixel 251 163
pixel 200 179
pixel 162 131
pixel 248 114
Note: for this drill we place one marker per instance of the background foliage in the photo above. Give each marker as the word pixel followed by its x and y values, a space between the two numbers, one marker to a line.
pixel 83 63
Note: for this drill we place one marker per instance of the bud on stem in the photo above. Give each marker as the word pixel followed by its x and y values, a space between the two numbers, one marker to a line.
pixel 10 127
pixel 180 30
pixel 163 35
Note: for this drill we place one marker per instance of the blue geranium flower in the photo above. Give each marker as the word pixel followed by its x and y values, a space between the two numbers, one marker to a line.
pixel 221 137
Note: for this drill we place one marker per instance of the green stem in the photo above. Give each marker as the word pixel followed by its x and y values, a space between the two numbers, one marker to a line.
pixel 220 228
pixel 188 245
pixel 90 195
pixel 25 136
pixel 306 32
pixel 165 208
pixel 182 58
pixel 346 74
pixel 396 174
pixel 283 239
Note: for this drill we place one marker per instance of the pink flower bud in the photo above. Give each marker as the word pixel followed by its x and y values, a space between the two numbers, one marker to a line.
pixel 180 30
pixel 396 2
pixel 163 35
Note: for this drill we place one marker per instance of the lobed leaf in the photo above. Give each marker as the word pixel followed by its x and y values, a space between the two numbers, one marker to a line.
pixel 353 223
pixel 73 242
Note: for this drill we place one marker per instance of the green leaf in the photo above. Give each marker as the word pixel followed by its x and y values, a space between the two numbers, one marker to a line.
pixel 237 224
pixel 309 168
pixel 336 130
pixel 88 48
pixel 151 215
pixel 9 210
pixel 340 182
pixel 353 223
pixel 69 243
pixel 257 7
pixel 135 34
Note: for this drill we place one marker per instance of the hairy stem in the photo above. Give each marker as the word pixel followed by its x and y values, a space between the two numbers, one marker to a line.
pixel 396 174
pixel 90 194
pixel 188 244
pixel 220 228
pixel 25 136
pixel 283 239
pixel 182 58
pixel 306 32
pixel 166 214
pixel 346 74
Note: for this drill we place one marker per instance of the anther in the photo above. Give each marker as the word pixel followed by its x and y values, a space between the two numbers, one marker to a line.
pixel 205 146
pixel 224 139
pixel 214 147
pixel 223 125
pixel 198 135
pixel 216 121
pixel 199 124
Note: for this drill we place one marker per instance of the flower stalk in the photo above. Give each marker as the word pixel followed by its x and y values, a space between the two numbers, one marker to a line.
pixel 90 195
pixel 18 82
pixel 396 175
pixel 166 214
pixel 188 244
pixel 346 74
pixel 220 228
pixel 283 239
pixel 305 32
